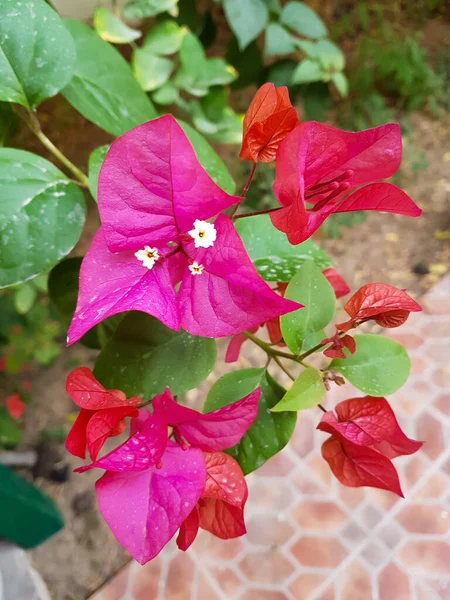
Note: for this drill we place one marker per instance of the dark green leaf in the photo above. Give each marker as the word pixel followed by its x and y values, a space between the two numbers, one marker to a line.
pixel 24 298
pixel 96 159
pixel 341 83
pixel 247 19
pixel 274 257
pixel 150 70
pixel 303 20
pixel 10 432
pixel 138 9
pixel 278 41
pixel 8 123
pixel 248 63
pixel 306 392
pixel 379 366
pixel 311 288
pixel 165 38
pixel 280 73
pixel 103 88
pixel 270 432
pixel 42 214
pixel 111 29
pixel 37 54
pixel 144 356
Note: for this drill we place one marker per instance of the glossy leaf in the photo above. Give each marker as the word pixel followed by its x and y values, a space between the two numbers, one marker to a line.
pixel 311 288
pixel 302 19
pixel 270 432
pixel 273 256
pixel 37 54
pixel 379 366
pixel 278 41
pixel 165 38
pixel 150 70
pixel 103 88
pixel 140 357
pixel 246 19
pixel 138 9
pixel 96 159
pixel 306 392
pixel 42 214
pixel 111 29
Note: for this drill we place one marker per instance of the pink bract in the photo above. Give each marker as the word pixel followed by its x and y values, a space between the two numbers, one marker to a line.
pixel 320 165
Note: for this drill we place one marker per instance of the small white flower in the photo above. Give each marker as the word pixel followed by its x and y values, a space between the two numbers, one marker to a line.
pixel 148 256
pixel 196 269
pixel 204 234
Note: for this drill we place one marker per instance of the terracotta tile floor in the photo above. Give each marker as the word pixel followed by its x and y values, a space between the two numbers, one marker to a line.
pixel 309 538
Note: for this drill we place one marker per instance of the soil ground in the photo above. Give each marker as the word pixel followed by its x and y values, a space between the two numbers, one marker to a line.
pixel 408 253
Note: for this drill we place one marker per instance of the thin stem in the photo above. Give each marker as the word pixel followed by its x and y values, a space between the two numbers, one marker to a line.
pixel 322 408
pixel 283 368
pixel 318 347
pixel 266 211
pixel 268 349
pixel 244 191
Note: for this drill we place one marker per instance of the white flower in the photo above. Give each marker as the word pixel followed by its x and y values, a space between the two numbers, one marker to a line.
pixel 196 269
pixel 204 234
pixel 148 256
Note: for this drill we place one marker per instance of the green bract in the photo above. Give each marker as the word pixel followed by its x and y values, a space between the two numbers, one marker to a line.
pixel 379 366
pixel 143 357
pixel 42 214
pixel 270 432
pixel 103 88
pixel 311 288
pixel 37 53
pixel 274 257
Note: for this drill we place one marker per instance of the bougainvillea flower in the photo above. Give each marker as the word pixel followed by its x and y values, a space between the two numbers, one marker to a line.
pixel 102 413
pixel 325 167
pixel 369 422
pixel 144 509
pixel 153 199
pixel 338 343
pixel 358 466
pixel 337 282
pixel 268 120
pixel 216 430
pixel 385 304
pixel 15 406
pixel 220 509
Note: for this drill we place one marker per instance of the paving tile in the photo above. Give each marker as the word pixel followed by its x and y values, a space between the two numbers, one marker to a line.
pixel 209 547
pixel 305 585
pixel 394 583
pixel 429 430
pixel 179 579
pixel 323 516
pixel 356 582
pixel 265 567
pixel 261 594
pixel 279 465
pixel 227 580
pixel 204 590
pixel 426 555
pixel 145 580
pixel 320 551
pixel 425 518
pixel 268 531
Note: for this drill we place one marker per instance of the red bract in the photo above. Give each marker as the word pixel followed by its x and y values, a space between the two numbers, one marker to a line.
pixel 369 422
pixel 337 282
pixel 220 509
pixel 358 466
pixel 319 165
pixel 338 344
pixel 15 406
pixel 102 413
pixel 268 120
pixel 386 305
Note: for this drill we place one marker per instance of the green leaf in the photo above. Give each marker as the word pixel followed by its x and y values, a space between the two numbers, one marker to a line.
pixel 96 159
pixel 111 29
pixel 209 159
pixel 165 38
pixel 303 20
pixel 246 19
pixel 192 55
pixel 42 214
pixel 138 9
pixel 313 339
pixel 311 288
pixel 274 257
pixel 306 392
pixel 307 71
pixel 37 54
pixel 270 432
pixel 24 298
pixel 10 432
pixel 341 83
pixel 150 70
pixel 329 55
pixel 216 71
pixel 103 88
pixel 248 63
pixel 379 366
pixel 278 41
pixel 8 123
pixel 166 94
pixel 144 356
pixel 215 118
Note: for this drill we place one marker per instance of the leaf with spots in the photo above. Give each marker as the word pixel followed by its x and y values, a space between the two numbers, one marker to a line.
pixel 42 214
pixel 270 432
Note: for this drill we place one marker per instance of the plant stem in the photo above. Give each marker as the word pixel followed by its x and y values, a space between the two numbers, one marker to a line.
pixel 322 408
pixel 244 191
pixel 268 349
pixel 283 368
pixel 30 118
pixel 266 211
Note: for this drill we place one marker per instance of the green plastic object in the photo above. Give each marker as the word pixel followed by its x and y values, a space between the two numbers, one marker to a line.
pixel 27 516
